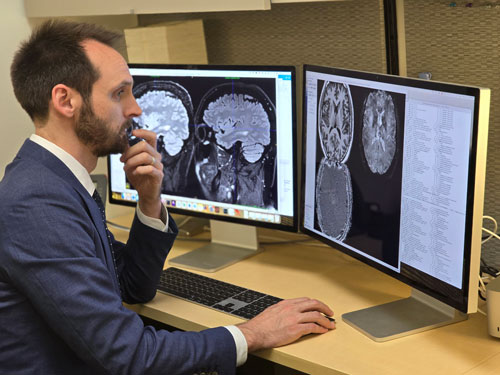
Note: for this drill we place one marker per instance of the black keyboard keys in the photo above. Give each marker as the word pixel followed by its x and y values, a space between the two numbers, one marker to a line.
pixel 219 295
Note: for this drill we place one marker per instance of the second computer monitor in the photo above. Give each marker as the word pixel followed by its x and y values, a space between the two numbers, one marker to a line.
pixel 393 174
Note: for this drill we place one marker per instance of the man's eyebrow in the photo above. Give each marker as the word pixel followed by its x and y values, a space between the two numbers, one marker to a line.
pixel 124 83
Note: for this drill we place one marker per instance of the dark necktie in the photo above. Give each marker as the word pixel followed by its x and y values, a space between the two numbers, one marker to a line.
pixel 100 204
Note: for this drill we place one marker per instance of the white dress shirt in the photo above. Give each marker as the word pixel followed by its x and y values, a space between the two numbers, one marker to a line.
pixel 84 177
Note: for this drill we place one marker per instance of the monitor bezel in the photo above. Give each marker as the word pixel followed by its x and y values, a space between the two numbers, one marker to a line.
pixel 279 226
pixel 462 305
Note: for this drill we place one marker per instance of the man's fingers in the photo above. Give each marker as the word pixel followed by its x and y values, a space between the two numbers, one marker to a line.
pixel 317 318
pixel 309 328
pixel 140 155
pixel 307 304
pixel 147 135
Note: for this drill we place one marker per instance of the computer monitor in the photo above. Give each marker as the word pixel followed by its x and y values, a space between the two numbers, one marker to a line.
pixel 227 136
pixel 393 175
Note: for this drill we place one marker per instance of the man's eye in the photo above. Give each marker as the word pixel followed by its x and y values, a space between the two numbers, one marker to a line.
pixel 119 93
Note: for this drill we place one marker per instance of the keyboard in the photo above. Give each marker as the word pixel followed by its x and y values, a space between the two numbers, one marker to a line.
pixel 235 300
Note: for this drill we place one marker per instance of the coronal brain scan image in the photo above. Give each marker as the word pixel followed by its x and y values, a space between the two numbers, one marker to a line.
pixel 334 199
pixel 336 121
pixel 235 151
pixel 167 110
pixel 379 131
pixel 239 118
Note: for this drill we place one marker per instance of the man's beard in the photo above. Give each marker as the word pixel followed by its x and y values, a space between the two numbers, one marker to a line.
pixel 98 135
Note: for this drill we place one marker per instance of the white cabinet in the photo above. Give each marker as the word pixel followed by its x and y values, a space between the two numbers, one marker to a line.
pixel 58 8
pixel 55 8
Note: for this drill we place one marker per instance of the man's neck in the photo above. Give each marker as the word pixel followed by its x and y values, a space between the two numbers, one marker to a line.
pixel 69 142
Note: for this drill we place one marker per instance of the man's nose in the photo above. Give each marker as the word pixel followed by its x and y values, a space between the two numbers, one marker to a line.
pixel 133 109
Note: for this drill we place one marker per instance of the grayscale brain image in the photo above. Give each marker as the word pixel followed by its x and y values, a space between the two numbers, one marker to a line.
pixel 333 180
pixel 379 131
pixel 217 138
pixel 165 114
pixel 336 121
pixel 334 199
pixel 167 110
pixel 236 154
pixel 359 167
pixel 231 116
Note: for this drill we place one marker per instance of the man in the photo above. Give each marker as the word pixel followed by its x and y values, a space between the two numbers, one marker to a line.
pixel 63 277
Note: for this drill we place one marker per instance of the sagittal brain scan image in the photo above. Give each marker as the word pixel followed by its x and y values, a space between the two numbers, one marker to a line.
pixel 167 110
pixel 336 121
pixel 235 145
pixel 334 199
pixel 379 131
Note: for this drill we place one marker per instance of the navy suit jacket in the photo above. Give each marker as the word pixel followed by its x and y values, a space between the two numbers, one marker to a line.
pixel 61 310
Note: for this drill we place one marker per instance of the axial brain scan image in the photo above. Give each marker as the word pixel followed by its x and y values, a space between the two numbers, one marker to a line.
pixel 334 199
pixel 336 121
pixel 379 131
pixel 234 147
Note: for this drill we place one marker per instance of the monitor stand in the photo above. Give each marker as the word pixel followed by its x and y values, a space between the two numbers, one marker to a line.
pixel 230 243
pixel 414 314
pixel 191 226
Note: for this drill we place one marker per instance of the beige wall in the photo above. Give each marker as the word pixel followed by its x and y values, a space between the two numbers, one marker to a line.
pixel 346 34
pixel 15 125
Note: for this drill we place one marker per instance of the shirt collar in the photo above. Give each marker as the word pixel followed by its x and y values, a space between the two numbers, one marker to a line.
pixel 74 165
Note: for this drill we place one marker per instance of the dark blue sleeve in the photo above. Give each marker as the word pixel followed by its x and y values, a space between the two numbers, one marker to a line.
pixel 140 262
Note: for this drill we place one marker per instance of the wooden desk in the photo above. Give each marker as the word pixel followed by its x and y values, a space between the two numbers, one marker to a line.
pixel 310 269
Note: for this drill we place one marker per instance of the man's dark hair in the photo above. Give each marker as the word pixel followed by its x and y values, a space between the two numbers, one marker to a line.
pixel 52 55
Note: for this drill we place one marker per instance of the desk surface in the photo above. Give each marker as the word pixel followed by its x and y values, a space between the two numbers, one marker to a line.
pixel 345 284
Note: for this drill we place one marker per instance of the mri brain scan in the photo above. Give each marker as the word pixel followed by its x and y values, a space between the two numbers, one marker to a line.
pixel 336 121
pixel 379 131
pixel 239 118
pixel 235 155
pixel 165 112
pixel 333 180
pixel 334 199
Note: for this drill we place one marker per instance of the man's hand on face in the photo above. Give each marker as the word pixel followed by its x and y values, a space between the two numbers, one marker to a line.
pixel 286 322
pixel 144 170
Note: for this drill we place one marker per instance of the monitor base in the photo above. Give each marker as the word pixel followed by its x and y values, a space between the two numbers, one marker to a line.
pixel 403 317
pixel 212 257
pixel 230 243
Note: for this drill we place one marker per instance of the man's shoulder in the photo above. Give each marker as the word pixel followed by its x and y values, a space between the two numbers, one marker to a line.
pixel 32 190
pixel 25 178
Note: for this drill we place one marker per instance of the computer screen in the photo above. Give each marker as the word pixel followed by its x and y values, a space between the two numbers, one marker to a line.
pixel 393 175
pixel 227 136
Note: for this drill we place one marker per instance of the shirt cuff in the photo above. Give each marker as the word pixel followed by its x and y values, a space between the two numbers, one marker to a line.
pixel 158 224
pixel 241 344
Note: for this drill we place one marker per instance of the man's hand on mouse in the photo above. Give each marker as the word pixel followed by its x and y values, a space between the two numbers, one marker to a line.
pixel 286 322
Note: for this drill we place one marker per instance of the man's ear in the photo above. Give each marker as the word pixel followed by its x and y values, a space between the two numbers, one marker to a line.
pixel 65 100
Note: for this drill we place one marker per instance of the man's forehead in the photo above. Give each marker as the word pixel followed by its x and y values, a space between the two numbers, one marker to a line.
pixel 111 65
